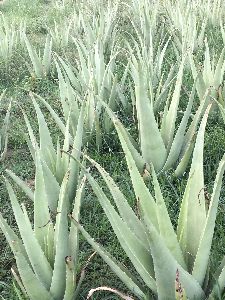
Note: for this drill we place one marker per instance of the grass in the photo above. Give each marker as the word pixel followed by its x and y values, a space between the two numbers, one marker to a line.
pixel 16 78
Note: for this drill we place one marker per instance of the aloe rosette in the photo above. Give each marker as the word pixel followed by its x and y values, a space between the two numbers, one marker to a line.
pixel 171 263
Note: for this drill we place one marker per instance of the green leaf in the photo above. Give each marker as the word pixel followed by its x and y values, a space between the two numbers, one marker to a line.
pixel 193 211
pixel 139 256
pixel 24 187
pixel 152 146
pixel 124 208
pixel 202 257
pixel 34 288
pixel 166 266
pixel 35 59
pixel 165 226
pixel 36 256
pixel 180 135
pixel 170 117
pixel 119 269
pixel 58 283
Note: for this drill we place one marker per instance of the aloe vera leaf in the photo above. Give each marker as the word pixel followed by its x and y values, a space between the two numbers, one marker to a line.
pixel 166 266
pixel 165 226
pixel 58 283
pixel 41 211
pixel 45 138
pixel 124 208
pixel 35 59
pixel 140 257
pixel 46 61
pixel 122 133
pixel 52 187
pixel 193 211
pixel 24 187
pixel 34 251
pixel 170 117
pixel 57 119
pixel 12 238
pixel 180 135
pixel 152 146
pixel 34 288
pixel 124 274
pixel 202 256
pixel 77 145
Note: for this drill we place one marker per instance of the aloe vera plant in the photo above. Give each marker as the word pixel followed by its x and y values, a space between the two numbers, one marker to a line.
pixel 56 163
pixel 11 37
pixel 151 58
pixel 60 33
pixel 163 147
pixel 90 84
pixel 185 26
pixel 46 253
pixel 40 66
pixel 210 75
pixel 170 263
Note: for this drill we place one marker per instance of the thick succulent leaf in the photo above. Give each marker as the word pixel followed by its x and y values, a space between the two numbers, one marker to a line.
pixel 63 91
pixel 36 256
pixel 219 72
pixel 166 266
pixel 152 145
pixel 4 132
pixel 47 150
pixel 33 142
pixel 58 283
pixel 70 73
pixel 180 134
pixel 143 196
pixel 73 234
pixel 139 256
pixel 46 61
pixel 170 117
pixel 34 288
pixel 125 276
pixel 189 137
pixel 193 211
pixel 12 238
pixel 36 62
pixel 165 226
pixel 123 134
pixel 123 207
pixel 200 86
pixel 186 156
pixel 57 119
pixel 51 186
pixel 207 71
pixel 202 257
pixel 70 278
pixel 24 187
pixel 41 211
pixel 76 153
pixel 21 289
